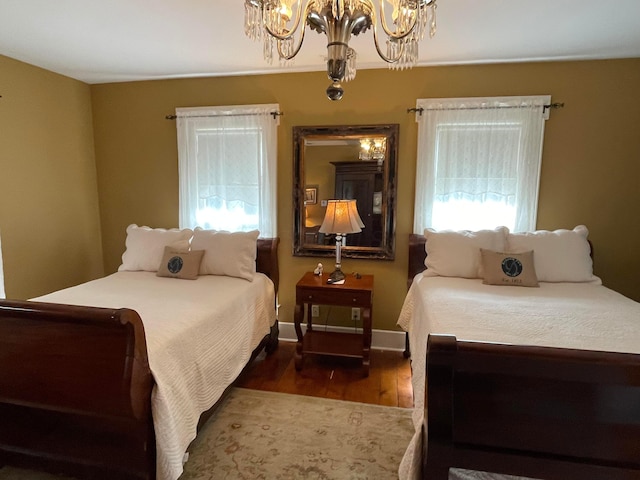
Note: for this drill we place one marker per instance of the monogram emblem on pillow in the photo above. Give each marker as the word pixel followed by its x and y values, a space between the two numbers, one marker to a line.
pixel 511 267
pixel 174 265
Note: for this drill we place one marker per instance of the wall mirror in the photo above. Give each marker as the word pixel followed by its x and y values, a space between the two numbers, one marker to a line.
pixel 345 162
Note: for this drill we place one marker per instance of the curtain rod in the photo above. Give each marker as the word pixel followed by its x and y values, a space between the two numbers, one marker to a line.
pixel 273 114
pixel 545 107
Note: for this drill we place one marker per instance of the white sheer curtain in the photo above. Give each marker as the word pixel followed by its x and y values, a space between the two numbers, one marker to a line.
pixel 2 293
pixel 227 167
pixel 478 162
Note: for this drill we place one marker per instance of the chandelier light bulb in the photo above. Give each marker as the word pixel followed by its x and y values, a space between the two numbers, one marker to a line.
pixel 285 12
pixel 281 25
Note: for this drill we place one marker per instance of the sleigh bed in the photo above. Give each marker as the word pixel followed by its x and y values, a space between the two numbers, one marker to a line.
pixel 90 391
pixel 539 383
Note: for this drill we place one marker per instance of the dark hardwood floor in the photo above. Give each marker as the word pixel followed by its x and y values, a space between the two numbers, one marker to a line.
pixel 388 383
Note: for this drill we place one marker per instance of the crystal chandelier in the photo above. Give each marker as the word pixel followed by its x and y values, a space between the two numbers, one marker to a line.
pixel 281 24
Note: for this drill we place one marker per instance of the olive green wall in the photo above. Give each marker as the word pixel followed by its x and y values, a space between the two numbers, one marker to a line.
pixel 590 169
pixel 49 218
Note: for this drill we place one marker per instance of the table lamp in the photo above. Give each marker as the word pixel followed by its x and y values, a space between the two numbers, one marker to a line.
pixel 340 218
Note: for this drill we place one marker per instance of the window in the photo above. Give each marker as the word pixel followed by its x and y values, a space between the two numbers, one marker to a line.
pixel 478 162
pixel 227 166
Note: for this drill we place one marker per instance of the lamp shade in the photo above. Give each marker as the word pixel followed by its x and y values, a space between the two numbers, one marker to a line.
pixel 354 213
pixel 341 217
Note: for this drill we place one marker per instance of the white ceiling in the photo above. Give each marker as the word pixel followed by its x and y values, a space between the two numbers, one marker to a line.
pixel 100 41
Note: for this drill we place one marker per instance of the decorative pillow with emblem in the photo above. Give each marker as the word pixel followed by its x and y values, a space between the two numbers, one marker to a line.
pixel 176 263
pixel 511 269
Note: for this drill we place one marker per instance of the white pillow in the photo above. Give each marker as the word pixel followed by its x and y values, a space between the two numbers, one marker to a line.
pixel 559 255
pixel 227 253
pixel 145 246
pixel 457 253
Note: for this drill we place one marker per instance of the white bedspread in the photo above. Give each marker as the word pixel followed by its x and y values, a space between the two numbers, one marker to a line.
pixel 200 334
pixel 567 315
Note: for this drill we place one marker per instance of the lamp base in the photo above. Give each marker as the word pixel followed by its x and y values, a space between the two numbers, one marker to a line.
pixel 336 276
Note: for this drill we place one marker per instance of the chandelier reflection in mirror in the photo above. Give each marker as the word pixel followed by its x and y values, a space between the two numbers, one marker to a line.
pixel 280 24
pixel 373 149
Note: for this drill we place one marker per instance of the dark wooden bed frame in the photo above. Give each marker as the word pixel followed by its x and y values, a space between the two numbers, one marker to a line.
pixel 75 386
pixel 547 413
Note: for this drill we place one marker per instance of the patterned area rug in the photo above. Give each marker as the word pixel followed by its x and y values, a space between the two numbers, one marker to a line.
pixel 265 435
pixel 279 436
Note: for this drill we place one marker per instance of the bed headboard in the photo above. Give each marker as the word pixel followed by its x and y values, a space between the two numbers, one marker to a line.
pixel 267 259
pixel 417 255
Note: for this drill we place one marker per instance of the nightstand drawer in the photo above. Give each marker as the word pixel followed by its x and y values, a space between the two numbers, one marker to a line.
pixel 334 297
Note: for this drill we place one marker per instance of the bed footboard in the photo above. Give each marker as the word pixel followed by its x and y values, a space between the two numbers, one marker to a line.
pixel 548 413
pixel 75 389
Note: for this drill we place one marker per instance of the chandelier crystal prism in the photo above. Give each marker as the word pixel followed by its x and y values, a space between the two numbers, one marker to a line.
pixel 281 25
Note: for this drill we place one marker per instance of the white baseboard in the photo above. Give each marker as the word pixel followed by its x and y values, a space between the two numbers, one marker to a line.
pixel 380 339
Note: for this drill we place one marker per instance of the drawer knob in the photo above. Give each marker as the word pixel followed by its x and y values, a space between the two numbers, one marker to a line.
pixel 310 297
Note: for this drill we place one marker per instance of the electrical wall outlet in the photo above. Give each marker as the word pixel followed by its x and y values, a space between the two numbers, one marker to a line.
pixel 315 310
pixel 355 314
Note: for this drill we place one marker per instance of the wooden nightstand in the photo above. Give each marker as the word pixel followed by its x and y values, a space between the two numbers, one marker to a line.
pixel 354 292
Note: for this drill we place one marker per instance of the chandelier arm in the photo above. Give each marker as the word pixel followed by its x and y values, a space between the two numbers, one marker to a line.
pixel 295 50
pixel 391 33
pixel 307 8
pixel 292 31
pixel 382 55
